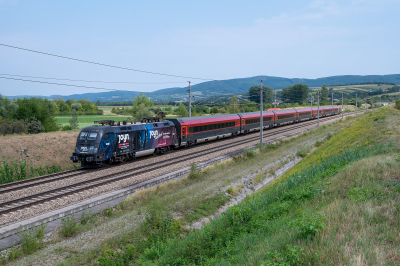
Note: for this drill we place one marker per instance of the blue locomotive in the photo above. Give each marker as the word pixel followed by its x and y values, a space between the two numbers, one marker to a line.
pixel 101 145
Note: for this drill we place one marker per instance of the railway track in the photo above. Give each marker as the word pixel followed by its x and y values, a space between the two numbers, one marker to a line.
pixel 46 196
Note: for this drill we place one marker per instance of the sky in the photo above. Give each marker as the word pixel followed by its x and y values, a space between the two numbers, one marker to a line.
pixel 198 40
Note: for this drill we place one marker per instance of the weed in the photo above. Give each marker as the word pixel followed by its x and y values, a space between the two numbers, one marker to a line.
pixel 249 153
pixel 14 253
pixel 194 173
pixel 32 240
pixel 122 205
pixel 69 226
pixel 85 218
pixel 304 151
pixel 234 191
pixel 108 211
pixel 319 143
pixel 292 255
pixel 308 226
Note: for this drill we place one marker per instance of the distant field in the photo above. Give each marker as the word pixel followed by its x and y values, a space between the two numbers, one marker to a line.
pixel 354 88
pixel 89 118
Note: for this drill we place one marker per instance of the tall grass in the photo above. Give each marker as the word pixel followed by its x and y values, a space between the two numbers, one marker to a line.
pixel 256 215
pixel 19 170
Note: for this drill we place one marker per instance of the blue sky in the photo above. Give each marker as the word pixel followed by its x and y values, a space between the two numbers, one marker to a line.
pixel 205 39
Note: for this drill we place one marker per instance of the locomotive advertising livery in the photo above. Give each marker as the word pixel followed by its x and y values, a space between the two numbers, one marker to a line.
pixel 107 143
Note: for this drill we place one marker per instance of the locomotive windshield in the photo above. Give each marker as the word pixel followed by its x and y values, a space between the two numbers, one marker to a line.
pixel 83 135
pixel 88 135
pixel 92 136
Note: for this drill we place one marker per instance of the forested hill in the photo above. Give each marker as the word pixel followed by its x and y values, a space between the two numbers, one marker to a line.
pixel 243 84
pixel 230 86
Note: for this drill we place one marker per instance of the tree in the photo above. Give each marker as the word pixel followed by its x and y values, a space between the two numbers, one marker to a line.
pixel 324 93
pixel 42 109
pixel 98 102
pixel 142 112
pixel 139 104
pixel 298 93
pixel 73 122
pixel 234 107
pixel 268 94
pixel 214 110
pixel 182 110
pixel 6 107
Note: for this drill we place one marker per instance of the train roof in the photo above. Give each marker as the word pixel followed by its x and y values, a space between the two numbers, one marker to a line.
pixel 183 119
pixel 128 126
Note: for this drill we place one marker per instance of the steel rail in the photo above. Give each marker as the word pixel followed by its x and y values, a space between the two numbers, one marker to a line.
pixel 84 184
pixel 13 186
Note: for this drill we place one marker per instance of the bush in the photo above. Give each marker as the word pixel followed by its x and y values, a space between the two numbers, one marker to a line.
pixel 68 226
pixel 32 240
pixel 13 127
pixel 66 127
pixel 35 126
pixel 194 173
pixel 397 106
pixel 308 226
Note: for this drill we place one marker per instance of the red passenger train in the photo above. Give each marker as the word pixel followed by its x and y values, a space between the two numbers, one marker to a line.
pixel 192 130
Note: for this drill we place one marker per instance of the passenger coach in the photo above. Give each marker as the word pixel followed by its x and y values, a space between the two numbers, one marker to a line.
pixel 197 129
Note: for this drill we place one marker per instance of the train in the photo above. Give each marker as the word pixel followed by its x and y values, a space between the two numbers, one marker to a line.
pixel 111 142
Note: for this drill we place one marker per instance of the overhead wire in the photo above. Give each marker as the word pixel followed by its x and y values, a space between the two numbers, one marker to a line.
pixel 69 85
pixel 101 64
pixel 94 81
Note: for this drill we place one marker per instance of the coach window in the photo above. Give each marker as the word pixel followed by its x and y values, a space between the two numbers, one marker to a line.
pixel 191 130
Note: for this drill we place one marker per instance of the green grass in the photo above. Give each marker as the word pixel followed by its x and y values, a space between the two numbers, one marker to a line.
pixel 88 118
pixel 340 206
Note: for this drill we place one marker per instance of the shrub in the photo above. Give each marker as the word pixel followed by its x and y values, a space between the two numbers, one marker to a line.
pixel 194 173
pixel 308 226
pixel 397 106
pixel 293 255
pixel 303 151
pixel 108 212
pixel 68 226
pixel 13 127
pixel 250 153
pixel 85 218
pixel 32 240
pixel 66 127
pixel 318 143
pixel 35 126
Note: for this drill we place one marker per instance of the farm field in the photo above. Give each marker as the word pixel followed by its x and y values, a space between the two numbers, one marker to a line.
pixel 354 88
pixel 87 120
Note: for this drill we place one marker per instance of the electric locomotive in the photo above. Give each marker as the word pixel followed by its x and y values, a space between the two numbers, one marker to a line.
pixel 110 142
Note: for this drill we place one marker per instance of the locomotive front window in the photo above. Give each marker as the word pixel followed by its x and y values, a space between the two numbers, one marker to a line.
pixel 83 135
pixel 92 136
pixel 106 137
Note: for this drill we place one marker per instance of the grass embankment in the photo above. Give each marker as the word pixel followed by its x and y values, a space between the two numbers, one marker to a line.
pixel 340 205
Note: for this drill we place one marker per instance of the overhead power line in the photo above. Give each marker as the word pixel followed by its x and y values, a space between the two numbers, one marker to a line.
pixel 101 64
pixel 95 81
pixel 69 85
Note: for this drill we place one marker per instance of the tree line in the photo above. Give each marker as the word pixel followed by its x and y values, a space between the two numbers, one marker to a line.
pixel 35 115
